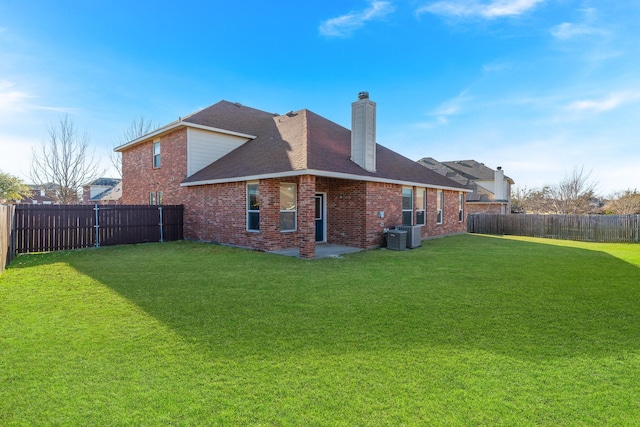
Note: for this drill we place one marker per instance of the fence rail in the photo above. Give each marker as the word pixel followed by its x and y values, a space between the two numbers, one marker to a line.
pixel 43 228
pixel 588 228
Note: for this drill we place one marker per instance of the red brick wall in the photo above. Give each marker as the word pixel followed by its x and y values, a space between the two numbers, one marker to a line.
pixel 139 178
pixel 217 212
pixel 490 208
pixel 450 223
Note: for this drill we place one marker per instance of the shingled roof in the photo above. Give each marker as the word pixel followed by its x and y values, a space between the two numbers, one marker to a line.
pixel 298 143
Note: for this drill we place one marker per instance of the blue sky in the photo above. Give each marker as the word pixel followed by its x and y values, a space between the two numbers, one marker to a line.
pixel 538 87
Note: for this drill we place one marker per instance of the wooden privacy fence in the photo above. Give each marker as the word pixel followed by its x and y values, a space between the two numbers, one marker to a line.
pixel 43 228
pixel 588 228
pixel 7 251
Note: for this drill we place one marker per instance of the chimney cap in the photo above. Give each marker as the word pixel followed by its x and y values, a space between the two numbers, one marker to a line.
pixel 363 95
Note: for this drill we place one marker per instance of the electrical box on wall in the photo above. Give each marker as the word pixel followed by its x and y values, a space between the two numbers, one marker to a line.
pixel 381 214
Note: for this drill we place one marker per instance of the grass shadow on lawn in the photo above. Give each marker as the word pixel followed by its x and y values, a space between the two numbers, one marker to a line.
pixel 467 330
pixel 520 298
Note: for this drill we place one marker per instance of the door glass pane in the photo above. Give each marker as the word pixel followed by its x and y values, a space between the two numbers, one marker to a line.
pixel 318 208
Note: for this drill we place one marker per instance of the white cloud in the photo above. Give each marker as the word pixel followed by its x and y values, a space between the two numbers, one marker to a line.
pixel 444 111
pixel 11 99
pixel 474 8
pixel 611 102
pixel 567 31
pixel 345 25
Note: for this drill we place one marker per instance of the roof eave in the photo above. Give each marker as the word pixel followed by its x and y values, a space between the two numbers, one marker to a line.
pixel 325 174
pixel 177 125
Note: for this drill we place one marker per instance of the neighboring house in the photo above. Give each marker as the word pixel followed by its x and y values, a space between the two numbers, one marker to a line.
pixel 38 197
pixel 106 191
pixel 266 181
pixel 491 189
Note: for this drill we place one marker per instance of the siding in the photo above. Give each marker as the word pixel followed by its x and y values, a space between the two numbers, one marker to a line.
pixel 205 147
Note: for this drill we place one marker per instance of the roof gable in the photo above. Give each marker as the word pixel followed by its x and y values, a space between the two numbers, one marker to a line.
pixel 297 142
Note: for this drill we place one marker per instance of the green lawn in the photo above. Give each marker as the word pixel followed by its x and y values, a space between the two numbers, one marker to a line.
pixel 466 330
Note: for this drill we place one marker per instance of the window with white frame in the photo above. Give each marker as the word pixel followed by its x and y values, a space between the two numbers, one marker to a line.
pixel 156 154
pixel 155 198
pixel 461 207
pixel 253 206
pixel 288 206
pixel 407 206
pixel 421 206
pixel 439 207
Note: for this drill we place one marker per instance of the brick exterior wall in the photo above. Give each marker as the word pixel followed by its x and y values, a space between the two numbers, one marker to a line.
pixel 488 208
pixel 217 212
pixel 139 178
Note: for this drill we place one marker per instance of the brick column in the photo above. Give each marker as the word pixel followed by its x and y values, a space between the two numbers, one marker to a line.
pixel 306 216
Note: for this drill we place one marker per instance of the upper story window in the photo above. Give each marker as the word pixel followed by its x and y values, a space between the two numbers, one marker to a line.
pixel 156 154
pixel 439 207
pixel 253 206
pixel 288 206
pixel 421 206
pixel 461 207
pixel 155 198
pixel 407 206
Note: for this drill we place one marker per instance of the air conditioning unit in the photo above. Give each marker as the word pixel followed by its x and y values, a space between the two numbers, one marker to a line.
pixel 397 240
pixel 414 234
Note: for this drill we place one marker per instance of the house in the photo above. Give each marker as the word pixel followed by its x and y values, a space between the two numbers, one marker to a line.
pixel 490 189
pixel 38 196
pixel 107 191
pixel 266 181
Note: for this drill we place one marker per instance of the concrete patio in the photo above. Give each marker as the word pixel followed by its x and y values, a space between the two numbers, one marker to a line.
pixel 322 251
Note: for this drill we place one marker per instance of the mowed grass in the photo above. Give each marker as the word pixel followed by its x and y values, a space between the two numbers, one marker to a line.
pixel 466 330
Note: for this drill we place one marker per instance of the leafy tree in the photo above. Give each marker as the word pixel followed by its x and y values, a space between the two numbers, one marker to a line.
pixel 64 163
pixel 12 188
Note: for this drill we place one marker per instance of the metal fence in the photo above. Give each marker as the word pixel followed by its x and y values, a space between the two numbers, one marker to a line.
pixel 588 228
pixel 44 228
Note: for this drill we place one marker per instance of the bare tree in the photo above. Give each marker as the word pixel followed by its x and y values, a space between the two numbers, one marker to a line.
pixel 574 194
pixel 137 128
pixel 534 200
pixel 63 164
pixel 626 203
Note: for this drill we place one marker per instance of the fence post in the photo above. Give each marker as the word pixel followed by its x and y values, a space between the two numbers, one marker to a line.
pixel 637 226
pixel 97 226
pixel 161 232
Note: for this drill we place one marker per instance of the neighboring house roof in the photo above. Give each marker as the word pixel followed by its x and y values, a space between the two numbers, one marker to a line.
pixel 467 173
pixel 297 143
pixel 474 170
pixel 113 193
pixel 104 182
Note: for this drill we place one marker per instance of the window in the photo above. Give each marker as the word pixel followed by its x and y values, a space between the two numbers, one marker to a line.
pixel 155 198
pixel 253 207
pixel 461 207
pixel 288 206
pixel 421 199
pixel 156 154
pixel 439 207
pixel 407 206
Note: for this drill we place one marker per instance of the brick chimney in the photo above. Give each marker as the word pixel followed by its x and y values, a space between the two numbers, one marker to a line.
pixel 363 132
